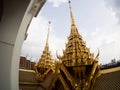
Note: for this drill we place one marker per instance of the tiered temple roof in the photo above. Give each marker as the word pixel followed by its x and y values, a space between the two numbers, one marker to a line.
pixel 76 51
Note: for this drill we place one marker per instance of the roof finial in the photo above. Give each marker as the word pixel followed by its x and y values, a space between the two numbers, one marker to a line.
pixel 48 32
pixel 72 19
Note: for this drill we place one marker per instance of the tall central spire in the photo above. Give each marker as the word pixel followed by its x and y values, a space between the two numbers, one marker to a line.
pixel 76 51
pixel 73 26
pixel 72 19
pixel 47 45
pixel 48 32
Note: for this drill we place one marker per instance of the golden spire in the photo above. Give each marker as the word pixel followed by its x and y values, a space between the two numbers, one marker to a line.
pixel 73 26
pixel 46 62
pixel 47 46
pixel 46 58
pixel 72 19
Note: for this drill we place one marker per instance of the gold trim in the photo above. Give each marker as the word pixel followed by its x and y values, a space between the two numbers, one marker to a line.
pixel 110 70
pixel 27 70
pixel 28 83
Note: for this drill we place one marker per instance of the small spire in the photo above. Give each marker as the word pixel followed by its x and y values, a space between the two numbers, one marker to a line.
pixel 47 45
pixel 48 32
pixel 72 19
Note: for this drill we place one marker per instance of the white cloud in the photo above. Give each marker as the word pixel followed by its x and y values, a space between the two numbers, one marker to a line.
pixel 104 36
pixel 115 6
pixel 56 3
pixel 35 43
pixel 56 44
pixel 107 40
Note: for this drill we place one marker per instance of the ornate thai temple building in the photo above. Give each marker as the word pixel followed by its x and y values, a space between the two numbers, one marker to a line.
pixel 77 69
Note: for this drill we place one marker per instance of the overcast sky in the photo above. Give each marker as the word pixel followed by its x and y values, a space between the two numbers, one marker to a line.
pixel 98 21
